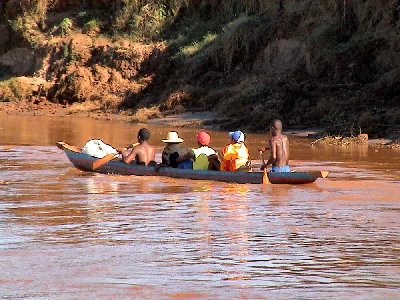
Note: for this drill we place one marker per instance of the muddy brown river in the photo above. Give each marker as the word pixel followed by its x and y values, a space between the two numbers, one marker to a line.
pixel 66 234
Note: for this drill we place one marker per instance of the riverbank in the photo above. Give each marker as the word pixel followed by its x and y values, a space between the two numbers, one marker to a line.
pixel 196 120
pixel 313 65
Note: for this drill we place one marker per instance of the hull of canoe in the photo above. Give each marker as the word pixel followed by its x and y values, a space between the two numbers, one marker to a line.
pixel 84 162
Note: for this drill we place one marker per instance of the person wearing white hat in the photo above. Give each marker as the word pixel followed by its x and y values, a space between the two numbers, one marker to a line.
pixel 173 149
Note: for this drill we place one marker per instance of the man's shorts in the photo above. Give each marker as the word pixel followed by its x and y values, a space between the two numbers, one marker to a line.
pixel 284 169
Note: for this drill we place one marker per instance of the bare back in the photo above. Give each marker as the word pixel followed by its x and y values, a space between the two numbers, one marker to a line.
pixel 280 150
pixel 141 154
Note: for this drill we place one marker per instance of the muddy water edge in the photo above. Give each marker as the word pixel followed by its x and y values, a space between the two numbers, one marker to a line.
pixel 69 234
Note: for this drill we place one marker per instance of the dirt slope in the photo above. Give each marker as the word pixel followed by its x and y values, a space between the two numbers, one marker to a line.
pixel 333 64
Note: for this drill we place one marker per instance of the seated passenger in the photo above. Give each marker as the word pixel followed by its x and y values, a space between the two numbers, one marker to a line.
pixel 173 150
pixel 200 156
pixel 142 154
pixel 235 156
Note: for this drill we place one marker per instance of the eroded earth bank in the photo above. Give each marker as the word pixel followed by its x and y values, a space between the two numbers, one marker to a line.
pixel 329 64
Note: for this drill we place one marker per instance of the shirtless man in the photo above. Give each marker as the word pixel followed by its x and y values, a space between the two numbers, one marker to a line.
pixel 142 154
pixel 279 145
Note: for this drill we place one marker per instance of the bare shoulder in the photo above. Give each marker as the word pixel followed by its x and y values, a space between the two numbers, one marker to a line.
pixel 139 148
pixel 285 138
pixel 271 143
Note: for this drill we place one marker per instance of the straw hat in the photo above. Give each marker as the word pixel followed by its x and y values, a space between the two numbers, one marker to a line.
pixel 172 137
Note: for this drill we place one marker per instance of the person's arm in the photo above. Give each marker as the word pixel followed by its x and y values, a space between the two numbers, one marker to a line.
pixel 287 148
pixel 187 156
pixel 165 157
pixel 128 158
pixel 272 156
pixel 127 148
pixel 221 154
pixel 261 151
pixel 264 149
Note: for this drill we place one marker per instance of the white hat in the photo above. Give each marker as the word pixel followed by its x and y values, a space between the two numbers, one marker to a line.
pixel 172 137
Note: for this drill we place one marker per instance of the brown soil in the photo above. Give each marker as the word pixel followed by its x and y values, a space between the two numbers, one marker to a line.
pixel 360 140
pixel 341 141
pixel 43 107
pixel 307 64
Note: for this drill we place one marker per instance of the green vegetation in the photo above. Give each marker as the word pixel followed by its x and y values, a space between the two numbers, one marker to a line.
pixel 65 26
pixel 23 27
pixel 31 17
pixel 91 26
pixel 9 90
pixel 18 88
pixel 83 17
pixel 197 46
pixel 145 20
pixel 68 55
pixel 333 63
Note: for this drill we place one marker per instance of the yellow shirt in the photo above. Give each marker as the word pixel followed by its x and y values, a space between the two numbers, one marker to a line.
pixel 234 157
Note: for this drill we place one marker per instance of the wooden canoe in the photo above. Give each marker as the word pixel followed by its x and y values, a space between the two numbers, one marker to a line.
pixel 84 162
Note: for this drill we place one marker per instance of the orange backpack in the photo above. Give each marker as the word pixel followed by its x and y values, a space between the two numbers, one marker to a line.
pixel 234 157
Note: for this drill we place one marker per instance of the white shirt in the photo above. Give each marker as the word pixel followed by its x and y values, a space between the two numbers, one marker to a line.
pixel 204 150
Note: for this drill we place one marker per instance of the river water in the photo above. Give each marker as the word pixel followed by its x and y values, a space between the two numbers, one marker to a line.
pixel 66 234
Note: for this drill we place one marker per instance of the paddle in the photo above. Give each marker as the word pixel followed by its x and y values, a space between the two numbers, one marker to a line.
pixel 261 156
pixel 102 161
pixel 265 176
pixel 127 147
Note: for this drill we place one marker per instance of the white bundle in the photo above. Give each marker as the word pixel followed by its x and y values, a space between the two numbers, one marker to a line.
pixel 97 148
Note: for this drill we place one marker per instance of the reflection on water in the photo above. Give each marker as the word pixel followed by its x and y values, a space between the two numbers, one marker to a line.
pixel 45 131
pixel 69 234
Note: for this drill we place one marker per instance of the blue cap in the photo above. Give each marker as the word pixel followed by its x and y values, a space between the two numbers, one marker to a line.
pixel 237 136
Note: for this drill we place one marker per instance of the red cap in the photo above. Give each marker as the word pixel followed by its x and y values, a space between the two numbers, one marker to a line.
pixel 203 138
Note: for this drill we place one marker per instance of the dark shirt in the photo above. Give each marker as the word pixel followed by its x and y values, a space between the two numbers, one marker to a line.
pixel 171 153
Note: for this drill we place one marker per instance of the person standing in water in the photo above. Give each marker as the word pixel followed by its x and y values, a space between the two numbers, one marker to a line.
pixel 279 146
pixel 142 154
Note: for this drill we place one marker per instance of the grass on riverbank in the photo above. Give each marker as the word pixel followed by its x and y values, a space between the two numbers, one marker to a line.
pixel 226 56
pixel 17 88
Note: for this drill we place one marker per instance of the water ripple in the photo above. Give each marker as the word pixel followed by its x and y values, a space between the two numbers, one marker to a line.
pixel 69 234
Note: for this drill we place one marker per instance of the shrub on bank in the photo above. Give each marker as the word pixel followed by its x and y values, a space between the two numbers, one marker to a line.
pixel 329 63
